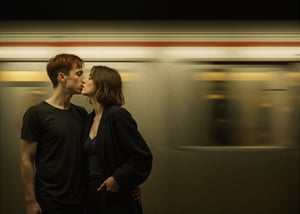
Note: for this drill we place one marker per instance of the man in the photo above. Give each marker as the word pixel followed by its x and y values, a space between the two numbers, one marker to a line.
pixel 51 154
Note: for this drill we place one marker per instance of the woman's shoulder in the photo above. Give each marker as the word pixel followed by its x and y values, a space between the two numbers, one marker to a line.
pixel 117 112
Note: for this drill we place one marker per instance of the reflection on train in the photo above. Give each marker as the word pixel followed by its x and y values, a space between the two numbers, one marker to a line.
pixel 217 104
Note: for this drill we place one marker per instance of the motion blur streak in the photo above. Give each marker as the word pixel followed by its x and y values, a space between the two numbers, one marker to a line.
pixel 218 104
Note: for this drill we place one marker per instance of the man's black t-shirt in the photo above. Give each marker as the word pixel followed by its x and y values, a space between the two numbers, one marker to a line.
pixel 58 161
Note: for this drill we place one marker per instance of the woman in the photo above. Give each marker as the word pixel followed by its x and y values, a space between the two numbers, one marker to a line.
pixel 118 156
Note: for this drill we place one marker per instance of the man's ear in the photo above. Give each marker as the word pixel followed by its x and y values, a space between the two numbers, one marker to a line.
pixel 61 77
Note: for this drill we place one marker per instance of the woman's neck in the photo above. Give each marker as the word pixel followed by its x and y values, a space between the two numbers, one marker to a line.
pixel 98 109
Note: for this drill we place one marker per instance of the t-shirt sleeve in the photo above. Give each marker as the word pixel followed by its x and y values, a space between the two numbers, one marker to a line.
pixel 31 127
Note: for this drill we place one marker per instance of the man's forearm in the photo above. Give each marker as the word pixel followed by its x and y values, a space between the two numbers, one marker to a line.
pixel 28 174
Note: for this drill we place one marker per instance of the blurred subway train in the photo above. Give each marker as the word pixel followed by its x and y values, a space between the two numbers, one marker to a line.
pixel 217 102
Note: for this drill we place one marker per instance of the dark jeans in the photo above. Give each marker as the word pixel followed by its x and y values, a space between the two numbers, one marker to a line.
pixel 54 208
pixel 104 202
pixel 94 197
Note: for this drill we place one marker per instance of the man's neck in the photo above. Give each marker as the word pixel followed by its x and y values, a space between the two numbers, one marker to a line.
pixel 59 100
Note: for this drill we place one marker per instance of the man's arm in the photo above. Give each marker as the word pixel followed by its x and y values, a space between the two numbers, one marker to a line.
pixel 28 152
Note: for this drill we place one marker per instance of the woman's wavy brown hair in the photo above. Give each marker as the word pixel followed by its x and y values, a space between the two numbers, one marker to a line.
pixel 108 85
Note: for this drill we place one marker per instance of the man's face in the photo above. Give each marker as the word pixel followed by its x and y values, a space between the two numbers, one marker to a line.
pixel 74 81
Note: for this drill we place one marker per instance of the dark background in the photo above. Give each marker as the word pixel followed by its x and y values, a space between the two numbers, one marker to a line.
pixel 151 10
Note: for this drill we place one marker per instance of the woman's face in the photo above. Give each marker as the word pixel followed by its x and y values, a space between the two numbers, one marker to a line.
pixel 89 87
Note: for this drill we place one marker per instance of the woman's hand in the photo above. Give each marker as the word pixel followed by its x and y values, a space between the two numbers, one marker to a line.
pixel 110 184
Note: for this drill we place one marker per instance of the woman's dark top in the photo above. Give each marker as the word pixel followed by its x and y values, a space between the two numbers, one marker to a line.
pixel 93 161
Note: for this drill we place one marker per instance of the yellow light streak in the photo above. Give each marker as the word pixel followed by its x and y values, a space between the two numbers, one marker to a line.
pixel 233 76
pixel 23 76
pixel 41 76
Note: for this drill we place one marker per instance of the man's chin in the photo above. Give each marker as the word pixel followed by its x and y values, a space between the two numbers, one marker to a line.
pixel 77 92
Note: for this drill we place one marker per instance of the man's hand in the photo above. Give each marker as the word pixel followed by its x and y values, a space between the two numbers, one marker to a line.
pixel 33 208
pixel 136 193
